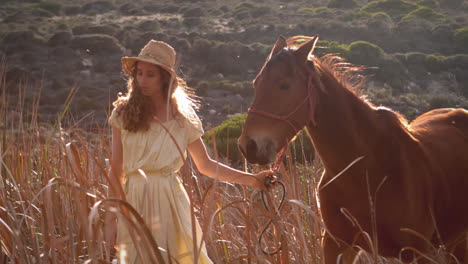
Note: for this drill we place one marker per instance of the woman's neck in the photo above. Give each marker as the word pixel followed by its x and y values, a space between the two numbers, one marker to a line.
pixel 161 109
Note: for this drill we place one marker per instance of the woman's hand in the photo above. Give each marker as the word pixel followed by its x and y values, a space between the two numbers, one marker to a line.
pixel 264 180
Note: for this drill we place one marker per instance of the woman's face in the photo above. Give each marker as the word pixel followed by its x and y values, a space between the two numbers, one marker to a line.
pixel 149 79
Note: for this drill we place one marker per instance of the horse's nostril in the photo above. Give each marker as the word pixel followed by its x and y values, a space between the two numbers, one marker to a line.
pixel 251 147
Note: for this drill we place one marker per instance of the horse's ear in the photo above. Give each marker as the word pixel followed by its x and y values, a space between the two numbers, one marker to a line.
pixel 302 53
pixel 279 45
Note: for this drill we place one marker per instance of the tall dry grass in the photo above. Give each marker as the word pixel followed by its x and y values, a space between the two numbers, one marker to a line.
pixel 54 198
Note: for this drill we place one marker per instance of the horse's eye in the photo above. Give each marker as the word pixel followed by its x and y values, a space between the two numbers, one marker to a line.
pixel 284 87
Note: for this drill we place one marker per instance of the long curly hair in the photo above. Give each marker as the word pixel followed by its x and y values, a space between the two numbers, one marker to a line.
pixel 135 109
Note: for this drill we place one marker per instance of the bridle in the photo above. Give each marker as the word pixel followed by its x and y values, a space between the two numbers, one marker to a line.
pixel 311 98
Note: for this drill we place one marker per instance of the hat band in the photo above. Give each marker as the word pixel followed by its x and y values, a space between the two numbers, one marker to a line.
pixel 158 59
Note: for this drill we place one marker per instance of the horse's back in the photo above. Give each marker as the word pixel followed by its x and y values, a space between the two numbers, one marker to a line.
pixel 443 133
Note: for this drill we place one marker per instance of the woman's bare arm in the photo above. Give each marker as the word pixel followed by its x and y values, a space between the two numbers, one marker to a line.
pixel 217 170
pixel 116 170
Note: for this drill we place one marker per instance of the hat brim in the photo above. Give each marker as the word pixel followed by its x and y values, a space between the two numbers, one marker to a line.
pixel 128 65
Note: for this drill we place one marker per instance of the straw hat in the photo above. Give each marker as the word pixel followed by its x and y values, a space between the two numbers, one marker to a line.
pixel 155 52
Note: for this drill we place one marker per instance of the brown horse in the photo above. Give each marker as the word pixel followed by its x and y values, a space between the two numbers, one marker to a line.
pixel 404 185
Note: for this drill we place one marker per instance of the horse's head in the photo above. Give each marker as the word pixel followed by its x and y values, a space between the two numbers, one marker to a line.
pixel 280 108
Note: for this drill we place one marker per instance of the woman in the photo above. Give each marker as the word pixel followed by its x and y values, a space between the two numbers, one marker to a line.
pixel 152 127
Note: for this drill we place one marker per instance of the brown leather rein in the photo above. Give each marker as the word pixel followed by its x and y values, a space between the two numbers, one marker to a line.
pixel 311 98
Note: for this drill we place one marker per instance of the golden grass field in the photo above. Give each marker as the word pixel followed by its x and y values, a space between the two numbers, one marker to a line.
pixel 54 199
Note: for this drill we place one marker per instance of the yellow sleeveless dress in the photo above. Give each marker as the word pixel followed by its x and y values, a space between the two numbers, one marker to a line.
pixel 158 195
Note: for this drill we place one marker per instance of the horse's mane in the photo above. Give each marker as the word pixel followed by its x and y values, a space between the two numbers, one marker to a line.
pixel 345 73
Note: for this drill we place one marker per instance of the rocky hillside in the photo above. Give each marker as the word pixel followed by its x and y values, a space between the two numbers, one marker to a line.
pixel 417 50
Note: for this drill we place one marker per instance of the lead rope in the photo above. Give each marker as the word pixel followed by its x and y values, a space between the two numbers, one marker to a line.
pixel 311 98
pixel 268 182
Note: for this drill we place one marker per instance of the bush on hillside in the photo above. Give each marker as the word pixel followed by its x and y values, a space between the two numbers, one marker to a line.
pixel 193 22
pixel 306 10
pixel 459 61
pixel 72 10
pixel 381 16
pixel 428 3
pixel 60 38
pixel 420 63
pixel 243 88
pixel 326 47
pixel 344 4
pixel 129 9
pixel 202 47
pixel 392 71
pixel 19 40
pixel 414 61
pixel 461 39
pixel 226 136
pixel 194 12
pixel 452 4
pixel 229 131
pixel 442 101
pixel 380 23
pixel 37 11
pixel 149 25
pixel 395 8
pixel 414 34
pixel 245 5
pixel 245 10
pixel 50 6
pixel 354 15
pixel 434 63
pixel 110 30
pixel 425 13
pixel 98 7
pixel 365 53
pixel 98 44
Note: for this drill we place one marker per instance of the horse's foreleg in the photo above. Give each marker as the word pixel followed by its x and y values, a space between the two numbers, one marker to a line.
pixel 337 251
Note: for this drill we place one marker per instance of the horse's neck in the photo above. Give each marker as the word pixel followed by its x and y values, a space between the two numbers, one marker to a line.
pixel 344 126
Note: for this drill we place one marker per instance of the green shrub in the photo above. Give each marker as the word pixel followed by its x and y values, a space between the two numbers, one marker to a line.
pixel 381 16
pixel 149 25
pixel 344 4
pixel 392 71
pixel 415 61
pixel 434 63
pixel 97 44
pixel 226 136
pixel 307 10
pixel 50 6
pixel 459 61
pixel 246 5
pixel 229 131
pixel 317 10
pixel 461 39
pixel 365 53
pixel 322 9
pixel 429 3
pixel 455 4
pixel 354 15
pixel 380 23
pixel 395 8
pixel 464 6
pixel 442 101
pixel 194 12
pixel 260 48
pixel 420 63
pixel 202 88
pixel 425 13
pixel 42 12
pixel 325 47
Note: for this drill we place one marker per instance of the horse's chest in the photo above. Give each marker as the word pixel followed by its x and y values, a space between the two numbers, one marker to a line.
pixel 339 204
